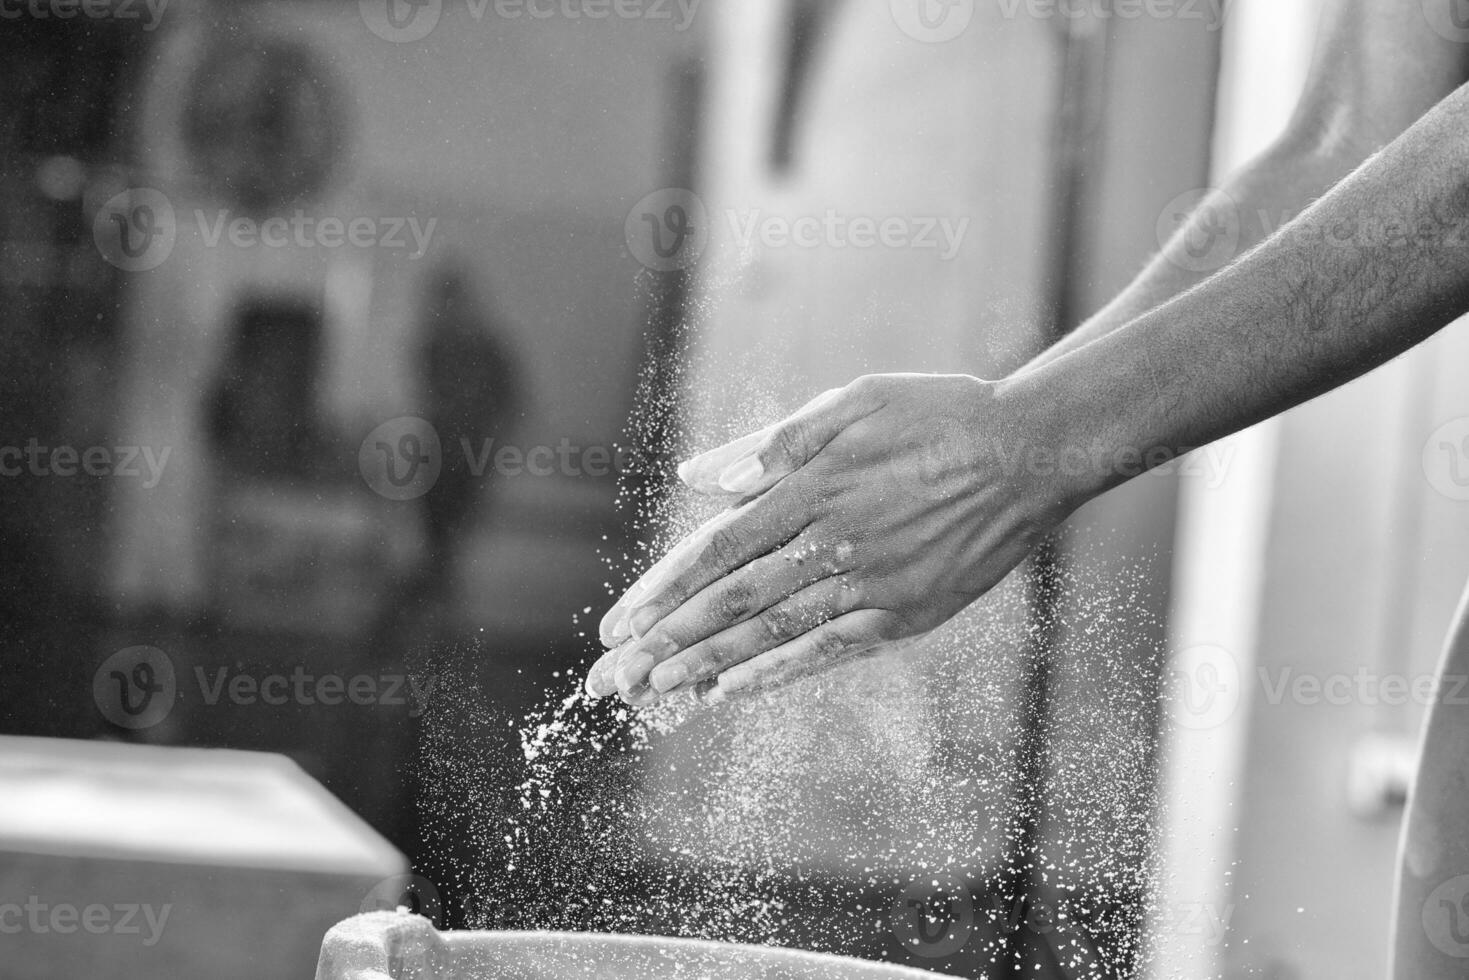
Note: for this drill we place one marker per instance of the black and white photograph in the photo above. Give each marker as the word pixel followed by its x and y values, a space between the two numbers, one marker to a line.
pixel 734 489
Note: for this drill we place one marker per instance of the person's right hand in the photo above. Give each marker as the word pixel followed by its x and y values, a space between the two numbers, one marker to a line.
pixel 874 514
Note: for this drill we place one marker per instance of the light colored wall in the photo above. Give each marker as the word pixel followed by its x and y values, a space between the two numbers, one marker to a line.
pixel 962 129
pixel 893 127
pixel 528 141
pixel 1328 552
pixel 1365 564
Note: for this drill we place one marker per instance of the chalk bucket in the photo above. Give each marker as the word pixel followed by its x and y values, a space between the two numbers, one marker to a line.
pixel 402 946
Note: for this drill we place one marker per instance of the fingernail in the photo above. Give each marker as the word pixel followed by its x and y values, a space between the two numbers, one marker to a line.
pixel 613 628
pixel 734 681
pixel 633 673
pixel 641 697
pixel 617 633
pixel 666 677
pixel 642 620
pixel 686 471
pixel 742 475
pixel 643 588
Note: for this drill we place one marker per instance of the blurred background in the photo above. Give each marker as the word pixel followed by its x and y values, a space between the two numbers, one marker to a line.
pixel 349 342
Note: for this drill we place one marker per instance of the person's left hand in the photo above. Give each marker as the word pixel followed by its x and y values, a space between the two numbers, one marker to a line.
pixel 875 513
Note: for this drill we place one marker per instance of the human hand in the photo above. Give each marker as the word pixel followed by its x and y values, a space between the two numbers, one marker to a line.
pixel 875 513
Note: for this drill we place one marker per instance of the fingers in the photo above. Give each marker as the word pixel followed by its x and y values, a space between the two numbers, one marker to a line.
pixel 602 678
pixel 757 529
pixel 720 548
pixel 599 681
pixel 755 463
pixel 702 471
pixel 615 628
pixel 672 657
pixel 834 642
pixel 749 592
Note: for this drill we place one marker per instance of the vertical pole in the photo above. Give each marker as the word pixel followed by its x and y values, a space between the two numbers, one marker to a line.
pixel 1074 145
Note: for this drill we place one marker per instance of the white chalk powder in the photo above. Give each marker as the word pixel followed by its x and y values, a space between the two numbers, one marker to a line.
pixel 841 797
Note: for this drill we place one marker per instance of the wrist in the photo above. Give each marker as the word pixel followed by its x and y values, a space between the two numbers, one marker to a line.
pixel 1060 438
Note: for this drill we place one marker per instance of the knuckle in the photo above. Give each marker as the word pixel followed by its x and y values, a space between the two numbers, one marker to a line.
pixel 891 626
pixel 830 642
pixel 790 439
pixel 722 550
pixel 704 662
pixel 780 623
pixel 734 602
pixel 850 596
pixel 869 386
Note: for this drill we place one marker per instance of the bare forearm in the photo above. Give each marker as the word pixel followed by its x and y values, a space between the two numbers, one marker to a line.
pixel 1252 204
pixel 1371 269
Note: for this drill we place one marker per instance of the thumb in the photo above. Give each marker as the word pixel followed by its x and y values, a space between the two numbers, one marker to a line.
pixel 753 464
pixel 702 472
